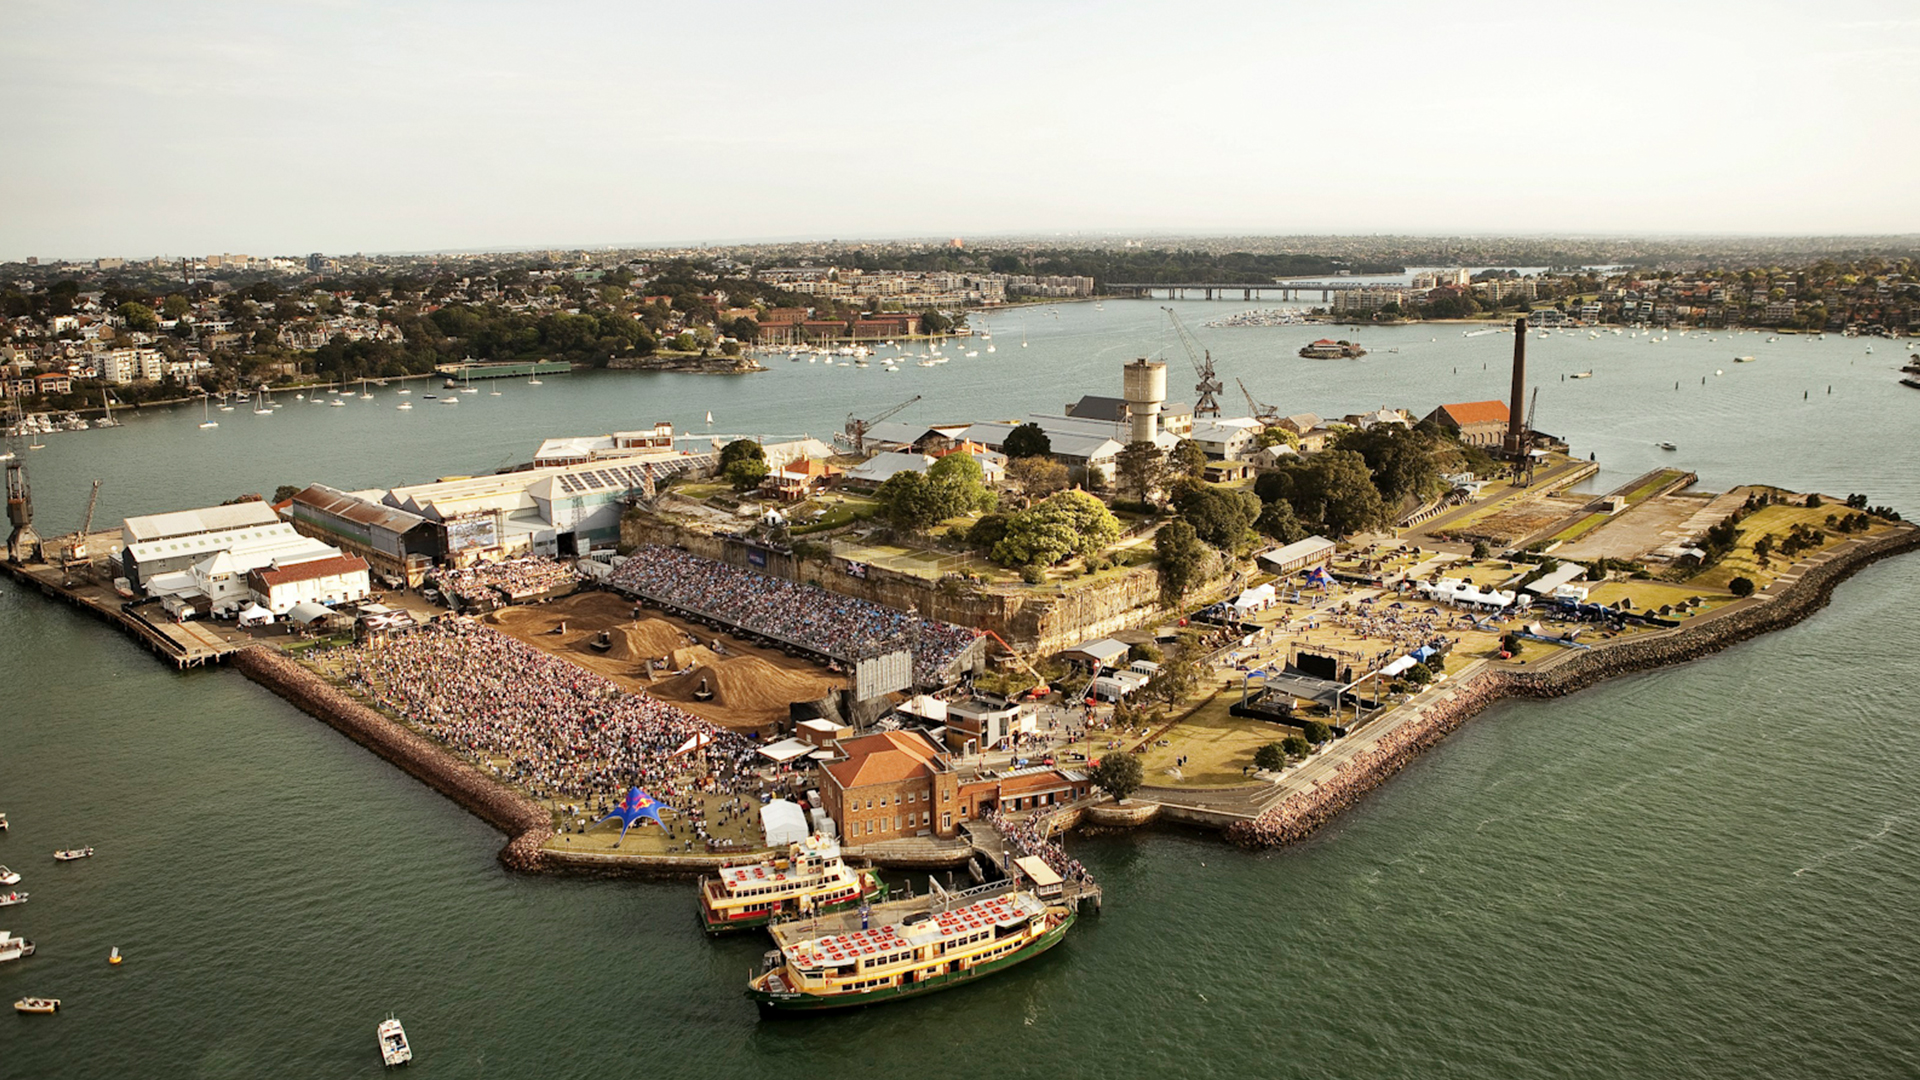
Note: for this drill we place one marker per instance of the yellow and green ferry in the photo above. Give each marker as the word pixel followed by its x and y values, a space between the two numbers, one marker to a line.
pixel 810 878
pixel 928 951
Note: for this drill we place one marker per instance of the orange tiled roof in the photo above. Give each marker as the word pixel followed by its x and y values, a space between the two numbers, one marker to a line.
pixel 1477 412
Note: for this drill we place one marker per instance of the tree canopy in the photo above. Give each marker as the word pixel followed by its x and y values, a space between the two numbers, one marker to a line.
pixel 1119 774
pixel 1138 468
pixel 1179 558
pixel 1026 441
pixel 1067 524
pixel 1331 491
pixel 1220 516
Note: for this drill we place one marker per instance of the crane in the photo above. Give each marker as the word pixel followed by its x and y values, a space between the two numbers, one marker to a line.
pixel 1209 384
pixel 1523 465
pixel 76 550
pixel 857 428
pixel 1266 414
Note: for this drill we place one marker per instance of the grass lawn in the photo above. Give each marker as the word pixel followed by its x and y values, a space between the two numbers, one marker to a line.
pixel 1646 490
pixel 1580 528
pixel 842 510
pixel 1654 594
pixel 1216 743
pixel 1776 520
pixel 701 492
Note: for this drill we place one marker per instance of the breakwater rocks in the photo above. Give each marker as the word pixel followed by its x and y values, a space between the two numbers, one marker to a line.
pixel 500 806
pixel 1301 814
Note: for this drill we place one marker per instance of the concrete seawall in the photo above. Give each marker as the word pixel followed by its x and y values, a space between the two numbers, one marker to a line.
pixel 525 821
pixel 1300 815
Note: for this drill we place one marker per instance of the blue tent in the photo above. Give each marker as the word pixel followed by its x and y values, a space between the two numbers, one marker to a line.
pixel 1423 652
pixel 637 805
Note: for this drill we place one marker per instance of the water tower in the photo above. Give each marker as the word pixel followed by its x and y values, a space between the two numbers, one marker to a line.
pixel 1145 391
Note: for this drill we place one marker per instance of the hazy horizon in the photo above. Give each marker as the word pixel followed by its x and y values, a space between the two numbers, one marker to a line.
pixel 350 127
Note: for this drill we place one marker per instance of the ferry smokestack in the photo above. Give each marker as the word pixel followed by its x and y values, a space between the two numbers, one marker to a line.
pixel 1516 419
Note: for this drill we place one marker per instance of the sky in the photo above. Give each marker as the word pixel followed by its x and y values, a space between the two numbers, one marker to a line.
pixel 144 127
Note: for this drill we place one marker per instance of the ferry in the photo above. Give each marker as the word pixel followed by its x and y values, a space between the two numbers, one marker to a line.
pixel 13 948
pixel 928 951
pixel 37 1005
pixel 1329 349
pixel 811 878
pixel 70 854
pixel 393 1043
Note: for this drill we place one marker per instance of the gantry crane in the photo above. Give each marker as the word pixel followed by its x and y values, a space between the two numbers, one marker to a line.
pixel 1205 404
pixel 1523 465
pixel 857 429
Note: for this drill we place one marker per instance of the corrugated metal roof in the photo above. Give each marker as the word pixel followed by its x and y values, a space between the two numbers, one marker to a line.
pixel 204 520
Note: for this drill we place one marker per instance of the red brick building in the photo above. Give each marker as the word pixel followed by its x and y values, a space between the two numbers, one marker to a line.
pixel 894 784
pixel 1478 423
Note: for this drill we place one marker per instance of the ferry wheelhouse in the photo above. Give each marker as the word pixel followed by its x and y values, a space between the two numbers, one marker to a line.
pixel 927 952
pixel 810 878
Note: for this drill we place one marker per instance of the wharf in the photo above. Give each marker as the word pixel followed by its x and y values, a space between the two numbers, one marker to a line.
pixel 185 645
pixel 510 369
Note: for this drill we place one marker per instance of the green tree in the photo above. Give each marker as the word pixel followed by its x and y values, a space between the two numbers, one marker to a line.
pixel 1187 459
pixel 1315 732
pixel 1418 675
pixel 743 463
pixel 175 306
pixel 932 322
pixel 1332 491
pixel 1220 516
pixel 1139 469
pixel 1070 523
pixel 1276 435
pixel 1037 477
pixel 1403 461
pixel 1296 746
pixel 1027 441
pixel 1179 557
pixel 1270 758
pixel 1119 774
pixel 1277 520
pixel 959 482
pixel 139 316
pixel 1179 675
pixel 911 502
pixel 1741 586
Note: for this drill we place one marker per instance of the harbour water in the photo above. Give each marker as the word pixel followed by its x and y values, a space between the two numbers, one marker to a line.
pixel 1708 871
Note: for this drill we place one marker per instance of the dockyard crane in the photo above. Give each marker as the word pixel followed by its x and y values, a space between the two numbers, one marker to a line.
pixel 76 549
pixel 1523 465
pixel 1205 404
pixel 857 428
pixel 1266 414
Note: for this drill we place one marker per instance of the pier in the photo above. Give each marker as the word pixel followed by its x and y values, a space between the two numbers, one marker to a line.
pixel 508 369
pixel 183 644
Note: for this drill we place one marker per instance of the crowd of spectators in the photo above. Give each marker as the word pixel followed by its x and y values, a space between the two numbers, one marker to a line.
pixel 555 729
pixel 1033 837
pixel 514 579
pixel 805 615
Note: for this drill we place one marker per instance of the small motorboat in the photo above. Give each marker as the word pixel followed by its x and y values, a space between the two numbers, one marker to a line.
pixel 114 956
pixel 404 405
pixel 8 877
pixel 12 898
pixel 1668 446
pixel 3 823
pixel 70 854
pixel 1587 374
pixel 393 1043
pixel 37 1005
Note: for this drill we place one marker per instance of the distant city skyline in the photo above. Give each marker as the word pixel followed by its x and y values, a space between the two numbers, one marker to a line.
pixel 142 129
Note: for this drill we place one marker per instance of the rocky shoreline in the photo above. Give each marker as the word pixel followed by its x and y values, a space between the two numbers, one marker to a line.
pixel 504 808
pixel 1300 815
